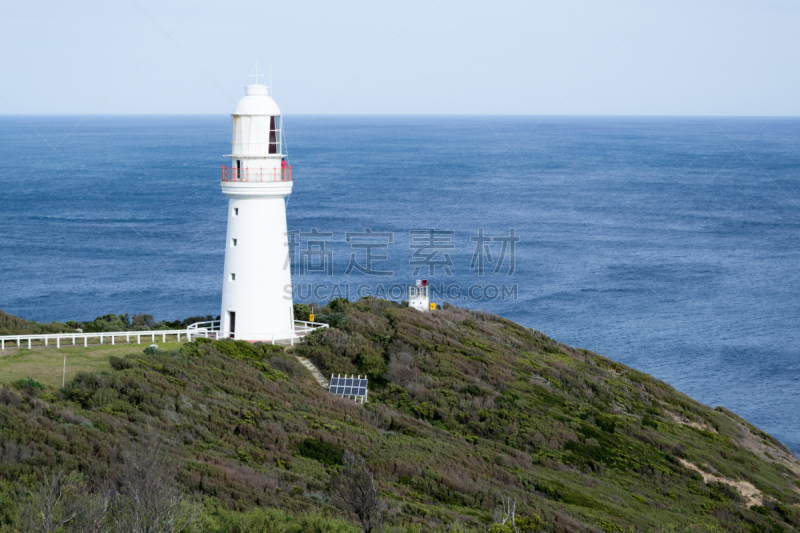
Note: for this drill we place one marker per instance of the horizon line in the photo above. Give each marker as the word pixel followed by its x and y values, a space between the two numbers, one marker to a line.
pixel 537 115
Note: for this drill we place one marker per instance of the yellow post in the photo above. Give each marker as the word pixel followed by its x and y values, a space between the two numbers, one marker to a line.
pixel 311 317
pixel 433 307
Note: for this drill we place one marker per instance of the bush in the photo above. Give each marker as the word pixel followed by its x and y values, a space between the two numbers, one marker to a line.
pixel 186 322
pixel 324 452
pixel 27 384
pixel 371 361
pixel 267 347
pixel 107 323
pixel 118 363
pixel 290 367
pixel 302 312
pixel 259 519
pixel 152 350
pixel 12 325
pixel 648 421
pixel 101 398
pixel 334 320
pixel 254 354
pixel 241 350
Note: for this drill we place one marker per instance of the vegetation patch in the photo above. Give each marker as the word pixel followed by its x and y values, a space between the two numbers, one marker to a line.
pixel 472 419
pixel 324 452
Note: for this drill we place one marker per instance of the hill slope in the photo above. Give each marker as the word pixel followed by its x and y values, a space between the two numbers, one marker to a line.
pixel 465 409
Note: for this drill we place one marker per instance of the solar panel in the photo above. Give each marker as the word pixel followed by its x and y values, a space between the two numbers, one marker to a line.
pixel 354 387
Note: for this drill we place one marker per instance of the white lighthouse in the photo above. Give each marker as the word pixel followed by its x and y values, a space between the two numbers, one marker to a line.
pixel 255 303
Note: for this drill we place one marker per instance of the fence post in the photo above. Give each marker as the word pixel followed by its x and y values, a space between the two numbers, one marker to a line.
pixel 138 339
pixel 164 337
pixel 112 339
pixel 73 340
pixel 86 341
pixel 58 342
pixel 29 344
pixel 45 341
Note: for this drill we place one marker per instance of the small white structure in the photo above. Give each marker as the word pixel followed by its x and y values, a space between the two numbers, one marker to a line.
pixel 256 288
pixel 418 296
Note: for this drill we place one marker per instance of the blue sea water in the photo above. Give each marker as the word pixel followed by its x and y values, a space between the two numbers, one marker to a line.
pixel 668 244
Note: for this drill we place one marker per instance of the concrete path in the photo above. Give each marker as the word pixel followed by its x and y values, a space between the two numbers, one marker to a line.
pixel 314 372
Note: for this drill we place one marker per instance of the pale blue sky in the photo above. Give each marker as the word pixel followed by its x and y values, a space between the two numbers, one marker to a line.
pixel 642 57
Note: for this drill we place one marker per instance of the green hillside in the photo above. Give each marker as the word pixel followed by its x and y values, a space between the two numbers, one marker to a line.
pixel 467 411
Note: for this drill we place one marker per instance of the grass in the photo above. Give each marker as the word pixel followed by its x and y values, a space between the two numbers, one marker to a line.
pixel 46 365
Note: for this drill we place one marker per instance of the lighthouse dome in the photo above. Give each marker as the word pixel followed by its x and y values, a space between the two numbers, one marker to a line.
pixel 256 101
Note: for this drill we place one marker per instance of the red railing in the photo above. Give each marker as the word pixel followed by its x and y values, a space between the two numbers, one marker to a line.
pixel 256 175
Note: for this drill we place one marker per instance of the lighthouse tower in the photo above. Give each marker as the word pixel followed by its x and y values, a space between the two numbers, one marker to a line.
pixel 256 289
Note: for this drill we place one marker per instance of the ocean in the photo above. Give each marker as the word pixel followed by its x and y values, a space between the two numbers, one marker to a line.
pixel 668 244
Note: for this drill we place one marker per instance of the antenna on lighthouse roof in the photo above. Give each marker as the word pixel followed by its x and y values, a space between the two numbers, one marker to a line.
pixel 255 72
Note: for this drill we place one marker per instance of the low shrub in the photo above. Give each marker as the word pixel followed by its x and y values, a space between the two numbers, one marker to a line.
pixel 334 320
pixel 27 384
pixel 324 452
pixel 118 363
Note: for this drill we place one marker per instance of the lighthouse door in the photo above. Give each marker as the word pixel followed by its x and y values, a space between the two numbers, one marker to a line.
pixel 232 322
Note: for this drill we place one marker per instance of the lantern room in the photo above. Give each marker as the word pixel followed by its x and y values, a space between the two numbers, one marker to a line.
pixel 257 128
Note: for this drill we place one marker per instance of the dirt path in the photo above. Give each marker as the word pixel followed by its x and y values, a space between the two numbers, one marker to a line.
pixel 745 488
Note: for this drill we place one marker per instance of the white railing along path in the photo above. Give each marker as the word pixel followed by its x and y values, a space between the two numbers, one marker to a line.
pixel 199 329
pixel 58 338
pixel 301 328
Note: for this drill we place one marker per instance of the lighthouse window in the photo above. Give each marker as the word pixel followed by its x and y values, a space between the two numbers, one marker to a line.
pixel 274 135
pixel 233 276
pixel 236 211
pixel 233 242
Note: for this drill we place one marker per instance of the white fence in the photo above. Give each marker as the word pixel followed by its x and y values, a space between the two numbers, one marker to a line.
pixel 211 325
pixel 210 329
pixel 72 338
pixel 301 328
pixel 199 329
